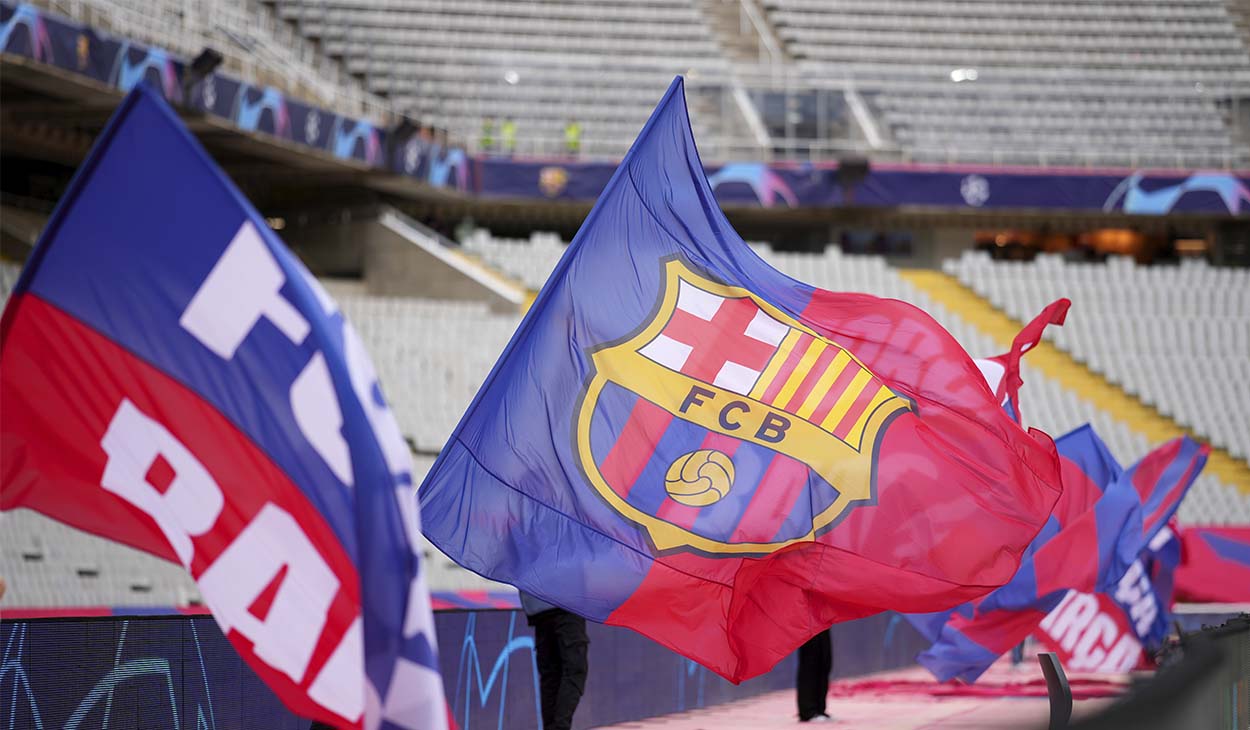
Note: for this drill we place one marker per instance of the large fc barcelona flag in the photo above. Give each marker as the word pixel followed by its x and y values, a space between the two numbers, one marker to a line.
pixel 173 378
pixel 682 440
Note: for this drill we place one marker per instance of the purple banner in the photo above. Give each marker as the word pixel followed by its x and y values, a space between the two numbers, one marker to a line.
pixel 892 185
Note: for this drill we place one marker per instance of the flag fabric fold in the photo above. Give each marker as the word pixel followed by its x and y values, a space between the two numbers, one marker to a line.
pixel 1215 565
pixel 682 440
pixel 1101 524
pixel 174 379
pixel 999 371
pixel 1002 372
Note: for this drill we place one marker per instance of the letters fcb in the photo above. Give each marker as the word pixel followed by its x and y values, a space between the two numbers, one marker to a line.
pixel 718 373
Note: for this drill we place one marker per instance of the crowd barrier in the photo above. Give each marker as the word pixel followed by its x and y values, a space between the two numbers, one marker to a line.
pixel 170 671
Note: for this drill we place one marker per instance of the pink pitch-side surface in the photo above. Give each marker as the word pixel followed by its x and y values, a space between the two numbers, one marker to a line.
pixel 907 699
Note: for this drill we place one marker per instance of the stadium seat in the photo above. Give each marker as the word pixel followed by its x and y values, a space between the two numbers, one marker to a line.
pixel 1176 337
pixel 1135 83
pixel 457 64
pixel 432 356
pixel 1141 83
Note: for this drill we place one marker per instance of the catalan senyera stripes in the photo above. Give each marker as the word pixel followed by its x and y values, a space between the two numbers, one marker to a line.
pixel 838 394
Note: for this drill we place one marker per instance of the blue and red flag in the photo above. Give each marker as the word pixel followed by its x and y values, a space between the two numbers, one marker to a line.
pixel 1117 630
pixel 1215 565
pixel 174 379
pixel 1162 558
pixel 1102 523
pixel 682 440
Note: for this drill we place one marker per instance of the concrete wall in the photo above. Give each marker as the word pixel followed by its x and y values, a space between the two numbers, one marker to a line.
pixel 396 266
pixel 934 245
pixel 331 249
pixel 390 261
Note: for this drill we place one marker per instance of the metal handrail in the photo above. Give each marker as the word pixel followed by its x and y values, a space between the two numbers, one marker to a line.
pixel 748 10
pixel 716 151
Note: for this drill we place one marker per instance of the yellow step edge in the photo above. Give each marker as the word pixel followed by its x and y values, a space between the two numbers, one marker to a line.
pixel 527 294
pixel 1070 373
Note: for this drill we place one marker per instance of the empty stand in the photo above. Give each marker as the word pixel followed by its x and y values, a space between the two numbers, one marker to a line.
pixel 542 64
pixel 1141 82
pixel 431 357
pixel 1176 337
pixel 1128 82
pixel 530 260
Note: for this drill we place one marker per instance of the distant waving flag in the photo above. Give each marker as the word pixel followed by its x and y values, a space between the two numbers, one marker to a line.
pixel 1091 632
pixel 174 379
pixel 1119 629
pixel 1102 523
pixel 682 440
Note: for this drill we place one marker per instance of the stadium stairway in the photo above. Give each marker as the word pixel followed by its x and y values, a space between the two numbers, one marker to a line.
pixel 458 263
pixel 1072 374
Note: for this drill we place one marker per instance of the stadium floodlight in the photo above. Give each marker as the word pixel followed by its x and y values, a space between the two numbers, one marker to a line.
pixel 964 74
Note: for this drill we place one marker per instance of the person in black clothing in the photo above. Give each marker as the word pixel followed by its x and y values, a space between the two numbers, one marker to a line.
pixel 812 683
pixel 560 647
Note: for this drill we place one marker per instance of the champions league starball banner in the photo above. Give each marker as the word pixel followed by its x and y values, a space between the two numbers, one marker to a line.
pixel 175 380
pixel 781 185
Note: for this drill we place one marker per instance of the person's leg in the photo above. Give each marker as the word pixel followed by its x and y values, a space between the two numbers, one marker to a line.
pixel 812 681
pixel 826 666
pixel 573 645
pixel 547 659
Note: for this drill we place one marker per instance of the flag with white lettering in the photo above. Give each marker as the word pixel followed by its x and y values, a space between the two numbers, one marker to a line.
pixel 1119 629
pixel 1102 523
pixel 174 379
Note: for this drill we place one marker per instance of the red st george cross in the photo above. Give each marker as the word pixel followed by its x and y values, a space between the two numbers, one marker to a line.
pixel 719 341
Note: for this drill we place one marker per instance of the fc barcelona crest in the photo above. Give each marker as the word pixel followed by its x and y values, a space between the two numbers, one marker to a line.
pixel 726 426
